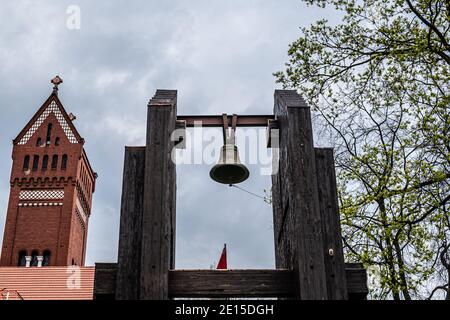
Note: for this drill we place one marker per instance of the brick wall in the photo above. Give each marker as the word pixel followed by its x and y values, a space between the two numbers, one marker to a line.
pixel 40 219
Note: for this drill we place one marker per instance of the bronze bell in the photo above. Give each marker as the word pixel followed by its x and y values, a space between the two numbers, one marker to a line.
pixel 229 169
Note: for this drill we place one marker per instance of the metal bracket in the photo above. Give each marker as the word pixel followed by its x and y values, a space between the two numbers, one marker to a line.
pixel 180 139
pixel 272 134
pixel 229 134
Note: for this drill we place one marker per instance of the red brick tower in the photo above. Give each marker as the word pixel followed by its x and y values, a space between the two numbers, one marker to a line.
pixel 52 184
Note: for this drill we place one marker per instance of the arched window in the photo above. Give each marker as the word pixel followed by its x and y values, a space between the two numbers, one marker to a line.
pixel 22 262
pixel 35 162
pixel 26 163
pixel 46 261
pixel 64 162
pixel 57 141
pixel 49 134
pixel 45 163
pixel 55 162
pixel 34 260
pixel 38 142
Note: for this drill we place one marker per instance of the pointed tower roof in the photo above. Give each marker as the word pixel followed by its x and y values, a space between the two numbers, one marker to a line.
pixel 51 105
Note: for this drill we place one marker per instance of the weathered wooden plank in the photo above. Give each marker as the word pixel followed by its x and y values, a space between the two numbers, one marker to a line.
pixel 130 237
pixel 230 283
pixel 356 276
pixel 105 281
pixel 331 225
pixel 158 224
pixel 172 199
pixel 297 219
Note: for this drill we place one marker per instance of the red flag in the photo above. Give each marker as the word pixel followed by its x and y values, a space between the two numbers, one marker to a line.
pixel 223 259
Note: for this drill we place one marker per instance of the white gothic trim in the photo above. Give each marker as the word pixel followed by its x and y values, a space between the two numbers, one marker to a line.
pixel 62 122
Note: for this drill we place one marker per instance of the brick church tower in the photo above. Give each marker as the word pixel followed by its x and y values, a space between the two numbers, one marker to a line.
pixel 52 184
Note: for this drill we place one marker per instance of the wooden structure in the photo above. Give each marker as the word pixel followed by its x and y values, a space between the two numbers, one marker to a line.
pixel 309 255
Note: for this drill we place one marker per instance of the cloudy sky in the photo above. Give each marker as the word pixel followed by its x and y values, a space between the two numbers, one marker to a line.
pixel 219 55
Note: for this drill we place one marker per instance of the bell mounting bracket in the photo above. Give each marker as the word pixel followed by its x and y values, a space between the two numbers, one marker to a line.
pixel 229 133
pixel 226 121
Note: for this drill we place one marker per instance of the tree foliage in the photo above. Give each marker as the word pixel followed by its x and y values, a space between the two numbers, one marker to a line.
pixel 379 83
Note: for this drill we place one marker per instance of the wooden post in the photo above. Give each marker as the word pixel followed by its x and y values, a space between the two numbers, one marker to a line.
pixel 158 223
pixel 331 225
pixel 130 239
pixel 297 220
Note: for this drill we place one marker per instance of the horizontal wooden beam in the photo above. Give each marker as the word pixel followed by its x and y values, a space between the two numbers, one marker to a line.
pixel 105 281
pixel 217 121
pixel 356 281
pixel 229 283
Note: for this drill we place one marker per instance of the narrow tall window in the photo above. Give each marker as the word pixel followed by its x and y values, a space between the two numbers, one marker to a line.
pixel 34 260
pixel 26 163
pixel 55 162
pixel 57 140
pixel 45 163
pixel 35 163
pixel 22 259
pixel 64 162
pixel 38 142
pixel 46 261
pixel 49 134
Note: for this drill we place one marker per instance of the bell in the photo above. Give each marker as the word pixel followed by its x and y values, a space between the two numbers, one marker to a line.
pixel 229 169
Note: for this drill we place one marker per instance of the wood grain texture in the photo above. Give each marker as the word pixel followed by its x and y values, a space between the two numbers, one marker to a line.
pixel 105 281
pixel 130 236
pixel 158 223
pixel 331 225
pixel 356 278
pixel 231 283
pixel 297 219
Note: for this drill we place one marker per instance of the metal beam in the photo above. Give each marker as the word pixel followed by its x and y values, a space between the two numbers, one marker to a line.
pixel 217 121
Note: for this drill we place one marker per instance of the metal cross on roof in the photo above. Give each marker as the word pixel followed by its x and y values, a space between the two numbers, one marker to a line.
pixel 56 81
